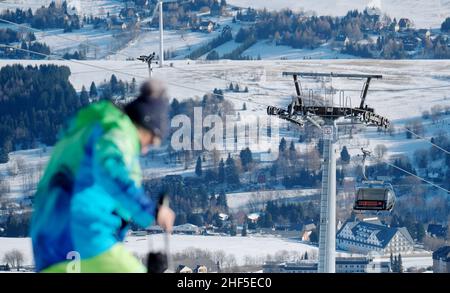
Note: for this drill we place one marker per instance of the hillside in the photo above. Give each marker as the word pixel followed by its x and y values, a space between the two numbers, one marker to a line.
pixel 425 14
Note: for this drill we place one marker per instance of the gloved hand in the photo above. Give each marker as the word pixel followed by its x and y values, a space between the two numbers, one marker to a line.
pixel 165 218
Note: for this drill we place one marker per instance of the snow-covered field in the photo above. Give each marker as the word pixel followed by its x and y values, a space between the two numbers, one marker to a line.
pixel 97 43
pixel 267 50
pixel 178 42
pixel 406 90
pixel 256 247
pixel 424 13
pixel 240 247
pixel 255 200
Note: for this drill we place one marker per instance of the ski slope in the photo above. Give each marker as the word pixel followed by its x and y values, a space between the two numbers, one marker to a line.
pixel 407 89
pixel 403 93
pixel 84 7
pixel 424 13
pixel 256 200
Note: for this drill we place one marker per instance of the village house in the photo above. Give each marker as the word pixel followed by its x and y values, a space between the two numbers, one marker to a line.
pixel 201 269
pixel 405 23
pixel 374 238
pixel 188 229
pixel 207 26
pixel 436 230
pixel 182 269
pixel 441 260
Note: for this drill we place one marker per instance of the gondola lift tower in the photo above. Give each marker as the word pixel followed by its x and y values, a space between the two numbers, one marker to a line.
pixel 303 109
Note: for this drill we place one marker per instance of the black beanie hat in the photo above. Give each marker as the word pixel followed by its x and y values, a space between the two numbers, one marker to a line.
pixel 151 109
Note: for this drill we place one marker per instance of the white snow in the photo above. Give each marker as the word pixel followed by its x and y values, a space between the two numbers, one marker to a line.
pixel 187 79
pixel 98 43
pixel 179 42
pixel 267 86
pixel 255 200
pixel 240 247
pixel 255 246
pixel 267 50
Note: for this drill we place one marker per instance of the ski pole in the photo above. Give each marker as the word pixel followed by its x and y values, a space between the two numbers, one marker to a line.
pixel 165 203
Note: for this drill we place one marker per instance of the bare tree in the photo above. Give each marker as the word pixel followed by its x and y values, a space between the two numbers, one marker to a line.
pixel 13 169
pixel 431 243
pixel 14 258
pixel 20 164
pixel 421 158
pixel 436 112
pixel 380 151
pixel 215 156
pixel 4 186
pixel 417 127
pixel 219 257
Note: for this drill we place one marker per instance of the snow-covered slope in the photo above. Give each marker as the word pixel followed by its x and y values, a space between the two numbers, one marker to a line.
pixel 84 7
pixel 407 89
pixel 424 13
pixel 255 247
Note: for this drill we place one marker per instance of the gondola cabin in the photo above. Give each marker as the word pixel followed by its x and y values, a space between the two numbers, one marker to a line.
pixel 374 196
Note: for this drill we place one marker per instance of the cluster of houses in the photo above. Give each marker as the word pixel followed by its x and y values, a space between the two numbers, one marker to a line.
pixel 343 265
pixel 403 30
pixel 199 269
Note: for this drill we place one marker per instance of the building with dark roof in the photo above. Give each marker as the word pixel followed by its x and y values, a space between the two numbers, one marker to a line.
pixel 441 260
pixel 372 238
pixel 435 230
pixel 343 265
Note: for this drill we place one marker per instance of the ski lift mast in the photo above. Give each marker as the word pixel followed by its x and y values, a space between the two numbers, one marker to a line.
pixel 324 117
pixel 149 60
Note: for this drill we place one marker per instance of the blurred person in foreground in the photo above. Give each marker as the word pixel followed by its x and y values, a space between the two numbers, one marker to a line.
pixel 91 189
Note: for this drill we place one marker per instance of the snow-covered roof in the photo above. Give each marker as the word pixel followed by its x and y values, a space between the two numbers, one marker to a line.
pixel 364 231
pixel 223 216
pixel 253 216
pixel 186 227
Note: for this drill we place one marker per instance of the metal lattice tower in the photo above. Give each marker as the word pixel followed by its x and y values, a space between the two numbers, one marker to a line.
pixel 327 229
pixel 324 117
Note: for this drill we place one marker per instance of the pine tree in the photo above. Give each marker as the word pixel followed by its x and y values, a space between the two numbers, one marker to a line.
pixel 231 87
pixel 114 83
pixel 246 158
pixel 244 230
pixel 222 200
pixel 233 230
pixel 420 230
pixel 221 172
pixel 133 86
pixel 391 258
pixel 282 146
pixel 198 167
pixel 244 106
pixel 93 90
pixel 399 264
pixel 292 152
pixel 84 97
pixel 231 172
pixel 395 265
pixel 345 156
